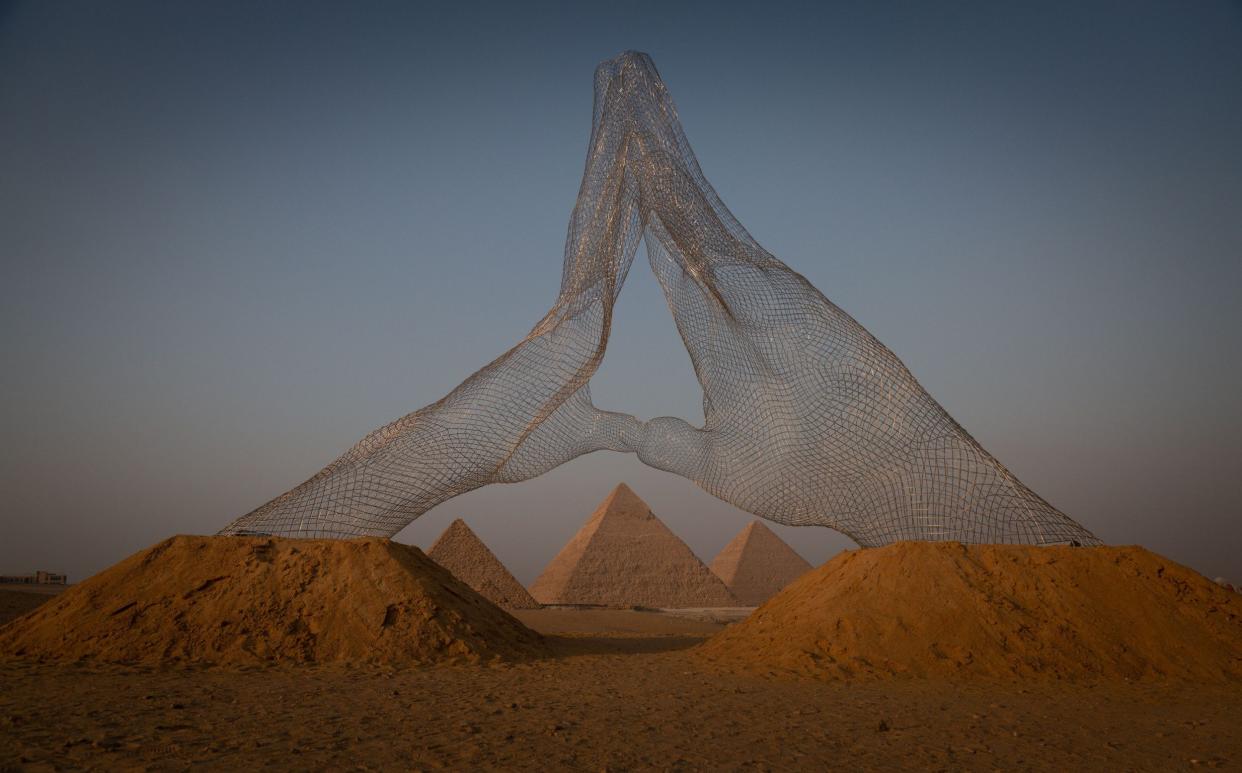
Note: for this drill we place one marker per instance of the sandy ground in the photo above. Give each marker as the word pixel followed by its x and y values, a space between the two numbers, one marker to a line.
pixel 14 603
pixel 628 622
pixel 629 696
pixel 47 590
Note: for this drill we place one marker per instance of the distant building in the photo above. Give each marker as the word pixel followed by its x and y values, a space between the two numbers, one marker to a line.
pixel 38 578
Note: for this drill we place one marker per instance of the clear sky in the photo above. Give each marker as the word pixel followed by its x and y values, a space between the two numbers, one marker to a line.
pixel 235 237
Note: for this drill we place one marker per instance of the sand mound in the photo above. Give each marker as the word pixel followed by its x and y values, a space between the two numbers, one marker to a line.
pixel 460 551
pixel 625 556
pixel 242 600
pixel 921 609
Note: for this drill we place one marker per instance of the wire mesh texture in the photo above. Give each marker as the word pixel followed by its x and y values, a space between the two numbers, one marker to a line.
pixel 808 418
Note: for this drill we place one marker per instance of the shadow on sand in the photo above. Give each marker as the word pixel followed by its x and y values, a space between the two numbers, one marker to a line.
pixel 575 645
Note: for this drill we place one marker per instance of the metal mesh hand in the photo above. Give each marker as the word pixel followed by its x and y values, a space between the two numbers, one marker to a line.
pixel 808 418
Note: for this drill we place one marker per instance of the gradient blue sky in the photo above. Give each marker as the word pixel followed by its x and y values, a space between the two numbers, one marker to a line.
pixel 235 237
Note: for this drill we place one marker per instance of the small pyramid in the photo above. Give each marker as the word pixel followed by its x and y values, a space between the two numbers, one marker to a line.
pixel 757 564
pixel 460 551
pixel 625 556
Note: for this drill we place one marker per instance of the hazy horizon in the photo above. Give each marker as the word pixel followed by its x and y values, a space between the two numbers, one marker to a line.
pixel 237 237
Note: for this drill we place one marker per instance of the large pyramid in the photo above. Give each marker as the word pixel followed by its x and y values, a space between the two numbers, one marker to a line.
pixel 757 565
pixel 460 551
pixel 625 556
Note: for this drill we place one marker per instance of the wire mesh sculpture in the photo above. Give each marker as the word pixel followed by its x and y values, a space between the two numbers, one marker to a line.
pixel 808 419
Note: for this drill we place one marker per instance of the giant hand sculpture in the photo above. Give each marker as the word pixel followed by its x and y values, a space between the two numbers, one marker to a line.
pixel 808 418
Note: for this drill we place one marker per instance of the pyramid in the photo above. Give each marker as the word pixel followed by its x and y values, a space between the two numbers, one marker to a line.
pixel 757 565
pixel 625 556
pixel 460 551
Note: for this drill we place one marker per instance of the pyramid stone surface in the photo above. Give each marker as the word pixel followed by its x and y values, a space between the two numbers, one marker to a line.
pixel 460 551
pixel 757 565
pixel 625 556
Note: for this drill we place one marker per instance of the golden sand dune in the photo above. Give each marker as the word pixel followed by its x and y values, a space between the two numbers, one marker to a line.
pixel 246 600
pixel 921 609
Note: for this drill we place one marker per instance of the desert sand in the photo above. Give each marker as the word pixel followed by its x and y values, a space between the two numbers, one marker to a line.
pixel 615 689
pixel 255 600
pixel 601 701
pixel 15 603
pixel 924 609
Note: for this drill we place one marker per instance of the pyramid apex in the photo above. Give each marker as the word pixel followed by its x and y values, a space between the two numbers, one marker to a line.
pixel 623 500
pixel 456 530
pixel 757 563
pixel 458 526
pixel 757 527
pixel 460 551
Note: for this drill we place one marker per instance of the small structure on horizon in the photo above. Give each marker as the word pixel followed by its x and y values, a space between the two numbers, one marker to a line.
pixel 757 564
pixel 625 556
pixel 460 551
pixel 38 578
